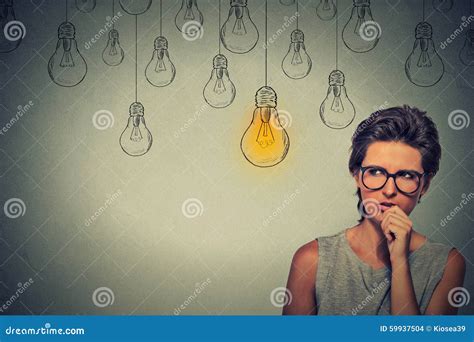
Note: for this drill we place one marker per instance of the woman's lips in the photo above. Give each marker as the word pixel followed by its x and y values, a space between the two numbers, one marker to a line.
pixel 385 206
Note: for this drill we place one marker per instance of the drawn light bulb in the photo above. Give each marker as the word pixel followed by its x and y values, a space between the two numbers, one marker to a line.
pixel 296 63
pixel 160 71
pixel 113 53
pixel 66 66
pixel 189 18
pixel 337 111
pixel 136 139
pixel 442 6
pixel 219 91
pixel 12 31
pixel 85 6
pixel 361 33
pixel 466 55
pixel 287 2
pixel 326 10
pixel 239 33
pixel 424 66
pixel 265 143
pixel 135 7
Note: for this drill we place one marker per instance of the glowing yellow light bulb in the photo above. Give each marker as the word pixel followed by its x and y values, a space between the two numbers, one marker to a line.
pixel 265 143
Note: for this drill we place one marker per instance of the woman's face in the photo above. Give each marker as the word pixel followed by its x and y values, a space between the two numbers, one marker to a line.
pixel 392 156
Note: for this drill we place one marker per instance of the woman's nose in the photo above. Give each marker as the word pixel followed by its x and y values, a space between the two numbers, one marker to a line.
pixel 390 187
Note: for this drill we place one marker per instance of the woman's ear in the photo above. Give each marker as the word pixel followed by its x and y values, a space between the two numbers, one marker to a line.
pixel 426 185
pixel 355 175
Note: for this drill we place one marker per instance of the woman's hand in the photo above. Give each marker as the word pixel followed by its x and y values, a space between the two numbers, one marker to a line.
pixel 397 228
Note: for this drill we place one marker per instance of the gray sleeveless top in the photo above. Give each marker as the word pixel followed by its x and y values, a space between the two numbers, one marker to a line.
pixel 345 285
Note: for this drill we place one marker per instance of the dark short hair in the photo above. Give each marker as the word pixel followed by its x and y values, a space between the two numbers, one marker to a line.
pixel 406 124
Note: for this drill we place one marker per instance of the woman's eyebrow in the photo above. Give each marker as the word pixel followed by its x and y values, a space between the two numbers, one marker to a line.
pixel 400 170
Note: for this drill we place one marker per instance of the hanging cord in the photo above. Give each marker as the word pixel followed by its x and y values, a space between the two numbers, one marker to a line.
pixel 423 10
pixel 66 10
pixel 337 36
pixel 113 14
pixel 297 15
pixel 161 17
pixel 470 12
pixel 136 58
pixel 219 28
pixel 266 44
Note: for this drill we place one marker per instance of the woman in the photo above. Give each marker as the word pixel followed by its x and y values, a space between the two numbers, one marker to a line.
pixel 381 266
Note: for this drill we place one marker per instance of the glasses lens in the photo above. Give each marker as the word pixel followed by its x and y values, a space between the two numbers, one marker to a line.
pixel 374 178
pixel 407 181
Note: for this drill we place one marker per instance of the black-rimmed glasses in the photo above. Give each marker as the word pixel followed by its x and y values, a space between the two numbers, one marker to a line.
pixel 406 181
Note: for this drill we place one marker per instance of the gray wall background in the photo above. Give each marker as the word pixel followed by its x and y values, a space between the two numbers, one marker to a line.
pixel 142 247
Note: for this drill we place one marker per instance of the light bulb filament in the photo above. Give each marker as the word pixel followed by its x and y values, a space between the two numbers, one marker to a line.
pixel 264 139
pixel 188 14
pixel 239 27
pixel 67 60
pixel 113 47
pixel 337 105
pixel 360 21
pixel 160 64
pixel 297 56
pixel 219 87
pixel 136 134
pixel 424 61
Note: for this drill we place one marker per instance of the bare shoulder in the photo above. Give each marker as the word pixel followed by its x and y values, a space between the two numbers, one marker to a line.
pixel 301 281
pixel 453 277
pixel 456 261
pixel 306 257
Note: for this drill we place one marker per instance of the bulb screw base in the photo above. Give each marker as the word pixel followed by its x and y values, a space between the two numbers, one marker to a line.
pixel 136 108
pixel 219 61
pixel 161 43
pixel 336 78
pixel 66 30
pixel 297 36
pixel 423 30
pixel 266 97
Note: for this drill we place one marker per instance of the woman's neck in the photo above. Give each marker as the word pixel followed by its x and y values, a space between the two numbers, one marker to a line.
pixel 371 236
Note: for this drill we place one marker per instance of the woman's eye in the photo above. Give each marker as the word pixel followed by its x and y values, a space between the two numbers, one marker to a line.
pixel 375 172
pixel 407 175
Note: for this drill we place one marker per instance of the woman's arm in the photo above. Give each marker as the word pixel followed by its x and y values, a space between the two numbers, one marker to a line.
pixel 453 276
pixel 301 281
pixel 402 293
